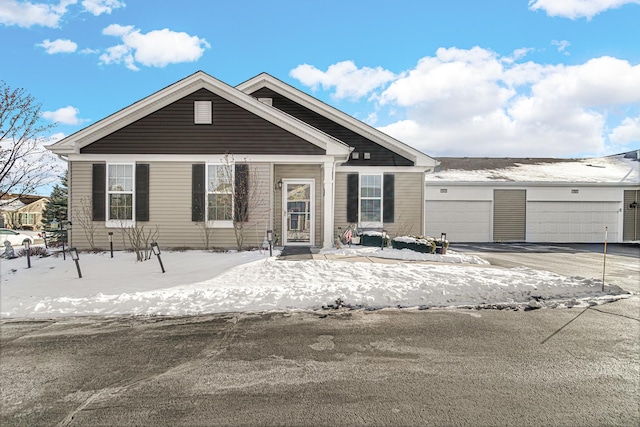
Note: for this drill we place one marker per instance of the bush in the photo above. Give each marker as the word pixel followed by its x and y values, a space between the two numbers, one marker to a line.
pixel 373 238
pixel 423 244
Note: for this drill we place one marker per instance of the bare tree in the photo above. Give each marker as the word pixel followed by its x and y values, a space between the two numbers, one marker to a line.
pixel 25 164
pixel 84 217
pixel 246 197
pixel 140 240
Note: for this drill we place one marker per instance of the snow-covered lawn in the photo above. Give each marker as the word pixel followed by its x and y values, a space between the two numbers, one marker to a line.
pixel 202 282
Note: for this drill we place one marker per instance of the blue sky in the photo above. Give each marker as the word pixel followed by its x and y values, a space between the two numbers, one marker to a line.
pixel 537 78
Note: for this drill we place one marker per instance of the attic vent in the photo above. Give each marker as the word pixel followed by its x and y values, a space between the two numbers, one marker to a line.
pixel 268 101
pixel 355 155
pixel 575 191
pixel 202 112
pixel 367 156
pixel 444 190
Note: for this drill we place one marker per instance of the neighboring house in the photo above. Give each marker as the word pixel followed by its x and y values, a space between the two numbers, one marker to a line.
pixel 535 200
pixel 165 161
pixel 22 212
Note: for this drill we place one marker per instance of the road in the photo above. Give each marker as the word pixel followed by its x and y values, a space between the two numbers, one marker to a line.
pixel 570 367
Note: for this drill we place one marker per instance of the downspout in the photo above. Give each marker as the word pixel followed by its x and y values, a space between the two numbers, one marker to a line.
pixel 333 199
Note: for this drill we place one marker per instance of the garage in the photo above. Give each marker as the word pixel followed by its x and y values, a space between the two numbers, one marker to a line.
pixel 579 222
pixel 463 221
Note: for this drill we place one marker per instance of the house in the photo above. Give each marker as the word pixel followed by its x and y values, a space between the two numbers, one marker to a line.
pixel 22 212
pixel 535 200
pixel 201 161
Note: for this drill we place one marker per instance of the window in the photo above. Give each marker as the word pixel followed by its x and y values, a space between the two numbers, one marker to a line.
pixel 370 198
pixel 220 193
pixel 120 181
pixel 27 218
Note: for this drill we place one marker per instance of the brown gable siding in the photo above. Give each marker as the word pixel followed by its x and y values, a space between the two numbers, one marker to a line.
pixel 171 130
pixel 380 156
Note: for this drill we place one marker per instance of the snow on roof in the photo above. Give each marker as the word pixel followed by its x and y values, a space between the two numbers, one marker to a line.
pixel 620 168
pixel 11 204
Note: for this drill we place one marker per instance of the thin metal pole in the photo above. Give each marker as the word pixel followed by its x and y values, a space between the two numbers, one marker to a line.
pixel 78 267
pixel 604 265
pixel 160 261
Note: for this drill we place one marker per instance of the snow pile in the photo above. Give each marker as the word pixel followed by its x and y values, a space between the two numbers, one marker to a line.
pixel 199 282
pixel 404 254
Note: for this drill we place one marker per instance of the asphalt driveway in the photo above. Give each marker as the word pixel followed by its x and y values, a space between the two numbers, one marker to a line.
pixel 575 367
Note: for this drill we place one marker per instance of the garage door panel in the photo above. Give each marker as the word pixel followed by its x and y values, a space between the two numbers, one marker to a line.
pixel 463 221
pixel 582 222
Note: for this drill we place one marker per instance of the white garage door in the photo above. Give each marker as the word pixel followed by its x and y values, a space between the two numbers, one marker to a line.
pixel 462 221
pixel 582 222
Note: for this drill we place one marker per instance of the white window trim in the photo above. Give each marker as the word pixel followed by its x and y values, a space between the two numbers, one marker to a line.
pixel 370 224
pixel 121 223
pixel 218 223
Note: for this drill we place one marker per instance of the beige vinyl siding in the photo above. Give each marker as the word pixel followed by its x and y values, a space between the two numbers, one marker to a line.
pixel 170 209
pixel 408 205
pixel 300 172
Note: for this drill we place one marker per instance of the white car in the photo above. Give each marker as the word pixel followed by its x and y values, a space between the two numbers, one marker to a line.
pixel 13 237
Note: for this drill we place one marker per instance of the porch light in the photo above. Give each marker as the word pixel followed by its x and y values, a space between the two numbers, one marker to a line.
pixel 156 251
pixel 279 184
pixel 74 256
pixel 27 249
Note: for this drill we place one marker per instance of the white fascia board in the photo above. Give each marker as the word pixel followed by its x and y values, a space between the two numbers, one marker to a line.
pixel 382 169
pixel 180 89
pixel 524 184
pixel 349 122
pixel 203 158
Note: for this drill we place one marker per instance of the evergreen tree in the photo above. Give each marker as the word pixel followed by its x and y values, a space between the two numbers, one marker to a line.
pixel 56 207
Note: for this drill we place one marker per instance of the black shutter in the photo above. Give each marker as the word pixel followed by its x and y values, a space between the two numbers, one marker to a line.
pixel 98 185
pixel 241 196
pixel 142 192
pixel 352 197
pixel 197 192
pixel 388 197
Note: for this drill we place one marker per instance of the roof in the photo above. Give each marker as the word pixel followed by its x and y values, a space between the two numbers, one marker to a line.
pixel 621 168
pixel 314 104
pixel 199 80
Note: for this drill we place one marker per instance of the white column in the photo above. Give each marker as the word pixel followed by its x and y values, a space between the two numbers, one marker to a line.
pixel 327 199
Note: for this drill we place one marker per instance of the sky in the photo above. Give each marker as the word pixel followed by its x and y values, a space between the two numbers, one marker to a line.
pixel 495 78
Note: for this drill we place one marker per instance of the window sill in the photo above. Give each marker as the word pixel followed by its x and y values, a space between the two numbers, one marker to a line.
pixel 120 223
pixel 219 224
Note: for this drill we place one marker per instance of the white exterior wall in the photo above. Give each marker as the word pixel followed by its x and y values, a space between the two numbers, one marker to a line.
pixel 554 213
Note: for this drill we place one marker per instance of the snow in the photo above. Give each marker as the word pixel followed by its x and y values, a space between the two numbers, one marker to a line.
pixel 614 169
pixel 198 282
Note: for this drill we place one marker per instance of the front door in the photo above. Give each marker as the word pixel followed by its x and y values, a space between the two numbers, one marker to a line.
pixel 298 220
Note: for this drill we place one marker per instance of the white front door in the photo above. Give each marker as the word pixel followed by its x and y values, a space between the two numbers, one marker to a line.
pixel 297 218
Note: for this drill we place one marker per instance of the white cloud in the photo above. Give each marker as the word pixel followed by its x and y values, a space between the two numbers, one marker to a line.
pixel 65 115
pixel 627 132
pixel 574 9
pixel 98 7
pixel 474 103
pixel 26 14
pixel 348 80
pixel 562 45
pixel 157 48
pixel 58 46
